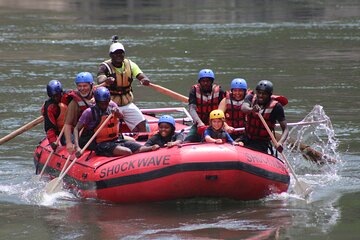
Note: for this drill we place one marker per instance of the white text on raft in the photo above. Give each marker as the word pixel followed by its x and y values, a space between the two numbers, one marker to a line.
pixel 133 164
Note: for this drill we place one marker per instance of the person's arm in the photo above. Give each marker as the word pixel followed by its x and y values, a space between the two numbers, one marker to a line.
pixel 50 124
pixel 194 115
pixel 229 139
pixel 151 141
pixel 192 108
pixel 67 133
pixel 102 75
pixel 246 106
pixel 222 107
pixel 116 110
pixel 285 132
pixel 136 71
pixel 209 139
pixel 70 116
pixel 144 80
pixel 77 128
pixel 85 120
pixel 179 138
pixel 280 117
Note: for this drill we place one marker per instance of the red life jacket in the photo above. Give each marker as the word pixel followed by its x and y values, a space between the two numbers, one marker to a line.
pixel 59 115
pixel 255 129
pixel 281 99
pixel 83 104
pixel 233 114
pixel 110 131
pixel 205 103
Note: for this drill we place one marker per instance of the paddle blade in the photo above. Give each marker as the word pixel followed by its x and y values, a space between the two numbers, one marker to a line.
pixel 54 186
pixel 302 189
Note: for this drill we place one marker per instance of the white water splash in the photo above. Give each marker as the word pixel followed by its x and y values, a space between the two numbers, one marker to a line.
pixel 320 137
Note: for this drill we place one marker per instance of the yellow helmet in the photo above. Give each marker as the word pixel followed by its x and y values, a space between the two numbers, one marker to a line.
pixel 215 114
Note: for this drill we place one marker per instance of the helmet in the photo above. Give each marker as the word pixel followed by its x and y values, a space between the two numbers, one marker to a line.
pixel 102 94
pixel 215 114
pixel 53 87
pixel 238 83
pixel 167 119
pixel 116 46
pixel 84 77
pixel 206 73
pixel 265 85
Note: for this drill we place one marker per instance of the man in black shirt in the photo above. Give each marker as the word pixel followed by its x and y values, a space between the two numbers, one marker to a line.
pixel 256 136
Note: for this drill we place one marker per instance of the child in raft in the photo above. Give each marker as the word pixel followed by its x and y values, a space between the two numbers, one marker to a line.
pixel 166 137
pixel 215 133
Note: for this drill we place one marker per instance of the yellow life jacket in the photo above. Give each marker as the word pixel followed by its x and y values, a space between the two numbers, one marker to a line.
pixel 120 90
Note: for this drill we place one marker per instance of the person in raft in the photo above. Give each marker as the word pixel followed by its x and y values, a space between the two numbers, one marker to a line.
pixel 53 111
pixel 118 74
pixel 216 133
pixel 166 137
pixel 257 137
pixel 231 106
pixel 204 97
pixel 80 99
pixel 109 142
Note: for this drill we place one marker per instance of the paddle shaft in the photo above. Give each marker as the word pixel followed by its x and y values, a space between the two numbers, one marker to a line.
pixel 22 129
pixel 53 184
pixel 273 139
pixel 87 145
pixel 169 92
pixel 52 152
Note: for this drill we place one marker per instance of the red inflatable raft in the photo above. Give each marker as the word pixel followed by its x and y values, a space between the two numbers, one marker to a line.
pixel 192 170
pixel 188 171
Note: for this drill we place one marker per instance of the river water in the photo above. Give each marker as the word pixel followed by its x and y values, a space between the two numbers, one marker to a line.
pixel 309 49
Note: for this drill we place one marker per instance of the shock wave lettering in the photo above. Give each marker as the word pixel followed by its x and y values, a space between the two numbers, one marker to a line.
pixel 151 161
pixel 263 160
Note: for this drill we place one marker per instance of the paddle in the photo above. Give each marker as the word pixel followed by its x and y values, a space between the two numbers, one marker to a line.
pixel 38 177
pixel 310 152
pixel 28 126
pixel 54 185
pixel 301 188
pixel 169 92
pixel 22 129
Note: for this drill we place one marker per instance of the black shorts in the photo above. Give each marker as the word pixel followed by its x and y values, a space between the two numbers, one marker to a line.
pixel 107 148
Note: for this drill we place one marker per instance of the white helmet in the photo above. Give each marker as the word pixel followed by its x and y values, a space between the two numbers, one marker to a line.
pixel 116 46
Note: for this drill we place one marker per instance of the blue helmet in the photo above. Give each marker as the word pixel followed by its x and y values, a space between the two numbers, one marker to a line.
pixel 54 87
pixel 206 73
pixel 167 119
pixel 84 77
pixel 102 94
pixel 238 83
